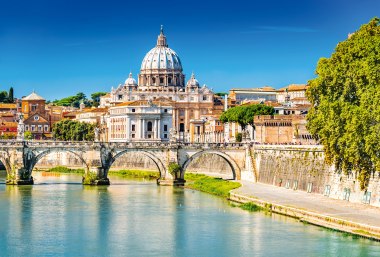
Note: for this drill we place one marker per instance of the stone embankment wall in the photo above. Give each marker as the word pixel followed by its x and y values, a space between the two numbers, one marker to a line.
pixel 209 164
pixel 303 168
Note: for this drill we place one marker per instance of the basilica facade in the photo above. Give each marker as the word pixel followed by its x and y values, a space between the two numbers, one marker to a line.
pixel 160 101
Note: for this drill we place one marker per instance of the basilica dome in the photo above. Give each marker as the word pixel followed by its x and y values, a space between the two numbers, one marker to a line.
pixel 161 57
pixel 130 80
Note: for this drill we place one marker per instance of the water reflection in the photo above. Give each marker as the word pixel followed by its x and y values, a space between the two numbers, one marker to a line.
pixel 143 219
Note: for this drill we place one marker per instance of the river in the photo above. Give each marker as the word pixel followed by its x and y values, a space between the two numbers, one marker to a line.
pixel 59 217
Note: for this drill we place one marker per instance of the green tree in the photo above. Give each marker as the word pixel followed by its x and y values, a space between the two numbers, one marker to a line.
pixel 10 95
pixel 28 135
pixel 345 98
pixel 73 100
pixel 96 98
pixel 71 130
pixel 3 96
pixel 244 114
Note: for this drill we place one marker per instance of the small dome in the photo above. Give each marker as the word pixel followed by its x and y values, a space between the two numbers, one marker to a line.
pixel 161 57
pixel 193 82
pixel 130 81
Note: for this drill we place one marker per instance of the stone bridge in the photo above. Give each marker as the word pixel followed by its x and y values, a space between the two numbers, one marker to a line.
pixel 20 157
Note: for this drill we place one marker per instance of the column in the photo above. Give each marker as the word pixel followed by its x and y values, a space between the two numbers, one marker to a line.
pixel 159 129
pixel 128 129
pixel 143 129
pixel 155 129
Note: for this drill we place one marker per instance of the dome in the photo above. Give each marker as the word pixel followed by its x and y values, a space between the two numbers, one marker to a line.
pixel 193 82
pixel 161 57
pixel 130 80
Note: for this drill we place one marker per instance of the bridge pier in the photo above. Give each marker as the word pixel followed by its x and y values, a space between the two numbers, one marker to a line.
pixel 171 182
pixel 20 177
pixel 96 176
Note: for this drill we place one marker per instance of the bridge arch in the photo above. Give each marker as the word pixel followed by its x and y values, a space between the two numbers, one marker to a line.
pixel 42 154
pixel 236 172
pixel 5 160
pixel 160 166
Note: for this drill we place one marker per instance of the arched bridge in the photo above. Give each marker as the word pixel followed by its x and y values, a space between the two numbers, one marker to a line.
pixel 20 157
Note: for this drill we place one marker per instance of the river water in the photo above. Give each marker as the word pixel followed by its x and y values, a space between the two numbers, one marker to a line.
pixel 59 217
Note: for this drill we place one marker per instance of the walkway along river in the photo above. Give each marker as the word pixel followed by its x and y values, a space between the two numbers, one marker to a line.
pixel 60 216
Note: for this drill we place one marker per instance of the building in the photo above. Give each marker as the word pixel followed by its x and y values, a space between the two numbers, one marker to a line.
pixel 140 120
pixel 282 129
pixel 262 94
pixel 91 115
pixel 161 78
pixel 295 94
pixel 36 118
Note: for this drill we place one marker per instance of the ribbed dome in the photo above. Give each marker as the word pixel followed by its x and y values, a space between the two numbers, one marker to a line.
pixel 161 57
pixel 193 82
pixel 130 80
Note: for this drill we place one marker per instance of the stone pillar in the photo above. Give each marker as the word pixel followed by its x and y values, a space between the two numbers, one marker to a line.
pixel 159 129
pixel 155 129
pixel 143 129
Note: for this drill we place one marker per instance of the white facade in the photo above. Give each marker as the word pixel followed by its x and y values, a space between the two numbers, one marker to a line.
pixel 140 121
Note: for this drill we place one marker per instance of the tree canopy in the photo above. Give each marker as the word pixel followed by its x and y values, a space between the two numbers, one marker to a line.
pixel 6 97
pixel 96 98
pixel 345 98
pixel 73 100
pixel 67 130
pixel 244 114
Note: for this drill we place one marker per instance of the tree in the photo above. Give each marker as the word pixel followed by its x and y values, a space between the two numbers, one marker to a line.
pixel 73 100
pixel 345 98
pixel 67 130
pixel 28 135
pixel 96 98
pixel 244 114
pixel 10 95
pixel 3 96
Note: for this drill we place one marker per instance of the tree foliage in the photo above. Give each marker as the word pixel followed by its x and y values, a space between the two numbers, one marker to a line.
pixel 345 97
pixel 71 130
pixel 6 97
pixel 96 98
pixel 73 100
pixel 244 114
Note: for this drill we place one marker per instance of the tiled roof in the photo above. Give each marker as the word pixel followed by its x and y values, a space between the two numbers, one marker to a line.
pixel 33 96
pixel 7 106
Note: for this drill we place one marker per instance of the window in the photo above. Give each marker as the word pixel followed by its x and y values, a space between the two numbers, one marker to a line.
pixel 46 128
pixel 149 126
pixel 161 80
pixel 182 112
pixel 26 127
pixel 169 80
pixel 205 98
pixel 120 97
pixel 133 110
pixel 165 135
pixel 165 110
pixel 165 128
pixel 36 118
pixel 133 127
pixel 33 127
pixel 40 128
pixel 133 135
pixel 191 99
pixel 181 127
pixel 34 107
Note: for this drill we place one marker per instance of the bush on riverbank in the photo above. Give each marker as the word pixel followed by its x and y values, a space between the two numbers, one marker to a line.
pixel 252 207
pixel 136 174
pixel 215 186
pixel 61 169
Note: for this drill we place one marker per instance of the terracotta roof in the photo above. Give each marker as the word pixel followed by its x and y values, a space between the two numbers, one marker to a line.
pixel 7 106
pixel 8 124
pixel 294 87
pixel 7 114
pixel 33 96
pixel 299 99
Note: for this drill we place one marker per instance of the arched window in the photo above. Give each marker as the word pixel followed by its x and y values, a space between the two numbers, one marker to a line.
pixel 150 126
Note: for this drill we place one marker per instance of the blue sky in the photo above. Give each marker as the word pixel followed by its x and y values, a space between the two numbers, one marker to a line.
pixel 59 48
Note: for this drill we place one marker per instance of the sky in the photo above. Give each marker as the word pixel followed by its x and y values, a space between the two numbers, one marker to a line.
pixel 62 47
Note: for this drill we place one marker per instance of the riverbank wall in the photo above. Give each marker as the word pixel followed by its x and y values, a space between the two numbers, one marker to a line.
pixel 304 168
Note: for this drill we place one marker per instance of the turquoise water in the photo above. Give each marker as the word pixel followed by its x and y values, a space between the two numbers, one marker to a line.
pixel 60 217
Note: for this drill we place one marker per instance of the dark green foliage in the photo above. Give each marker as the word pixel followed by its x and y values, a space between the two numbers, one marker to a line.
pixel 215 186
pixel 239 137
pixel 345 98
pixel 28 135
pixel 70 130
pixel 252 207
pixel 3 97
pixel 174 169
pixel 244 114
pixel 96 98
pixel 10 95
pixel 221 94
pixel 73 100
